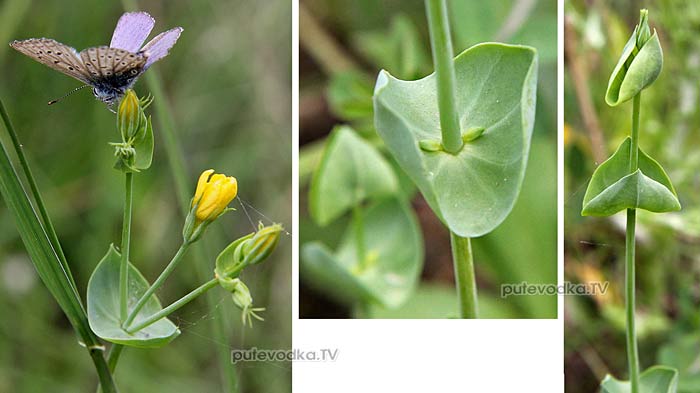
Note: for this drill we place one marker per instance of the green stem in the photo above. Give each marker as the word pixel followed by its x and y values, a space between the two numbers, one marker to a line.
pixel 156 284
pixel 634 149
pixel 465 279
pixel 112 359
pixel 441 43
pixel 103 372
pixel 113 356
pixel 175 306
pixel 126 239
pixel 359 235
pixel 631 334
pixel 48 225
pixel 632 354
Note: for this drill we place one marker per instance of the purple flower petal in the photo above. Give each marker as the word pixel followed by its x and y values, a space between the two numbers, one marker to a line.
pixel 159 46
pixel 132 30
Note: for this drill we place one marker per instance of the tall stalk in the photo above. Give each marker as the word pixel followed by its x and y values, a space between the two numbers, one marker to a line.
pixel 441 43
pixel 631 334
pixel 126 238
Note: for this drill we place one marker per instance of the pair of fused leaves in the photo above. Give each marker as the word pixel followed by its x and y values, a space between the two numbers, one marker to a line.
pixel 389 271
pixel 104 312
pixel 384 265
pixel 613 188
pixel 638 67
pixel 474 190
pixel 655 379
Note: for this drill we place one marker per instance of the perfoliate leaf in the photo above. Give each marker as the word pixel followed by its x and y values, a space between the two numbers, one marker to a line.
pixel 392 261
pixel 143 147
pixel 634 72
pixel 351 171
pixel 472 191
pixel 655 379
pixel 103 306
pixel 613 188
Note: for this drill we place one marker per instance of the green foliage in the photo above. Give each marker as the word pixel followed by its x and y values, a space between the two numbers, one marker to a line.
pixel 439 301
pixel 143 147
pixel 613 188
pixel 350 95
pixel 103 306
pixel 66 144
pixel 350 99
pixel 637 68
pixel 56 276
pixel 683 353
pixel 655 379
pixel 474 190
pixel 392 261
pixel 351 172
pixel 399 49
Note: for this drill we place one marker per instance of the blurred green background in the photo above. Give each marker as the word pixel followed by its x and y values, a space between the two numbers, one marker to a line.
pixel 668 251
pixel 228 85
pixel 343 45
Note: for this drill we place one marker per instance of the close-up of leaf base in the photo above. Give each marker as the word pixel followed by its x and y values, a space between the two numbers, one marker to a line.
pixel 655 379
pixel 392 263
pixel 613 188
pixel 473 190
pixel 103 306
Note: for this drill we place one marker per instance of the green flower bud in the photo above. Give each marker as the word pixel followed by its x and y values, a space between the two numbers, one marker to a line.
pixel 643 32
pixel 261 245
pixel 247 250
pixel 130 116
pixel 135 152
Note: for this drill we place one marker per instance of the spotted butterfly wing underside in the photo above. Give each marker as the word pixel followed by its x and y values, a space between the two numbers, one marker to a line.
pixel 56 55
pixel 104 63
pixel 89 66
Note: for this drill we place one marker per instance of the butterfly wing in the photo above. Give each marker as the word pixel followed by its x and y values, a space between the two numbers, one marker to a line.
pixel 106 64
pixel 159 46
pixel 132 30
pixel 52 53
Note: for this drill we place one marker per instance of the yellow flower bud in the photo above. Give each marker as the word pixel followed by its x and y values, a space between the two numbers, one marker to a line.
pixel 214 192
pixel 129 115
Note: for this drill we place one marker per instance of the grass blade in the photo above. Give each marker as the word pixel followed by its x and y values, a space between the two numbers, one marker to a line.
pixel 47 224
pixel 46 260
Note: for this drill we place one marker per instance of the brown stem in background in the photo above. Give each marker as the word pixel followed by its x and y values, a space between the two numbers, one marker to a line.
pixel 321 45
pixel 518 15
pixel 579 77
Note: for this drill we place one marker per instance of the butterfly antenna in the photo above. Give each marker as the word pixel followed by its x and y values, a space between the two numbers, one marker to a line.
pixel 67 94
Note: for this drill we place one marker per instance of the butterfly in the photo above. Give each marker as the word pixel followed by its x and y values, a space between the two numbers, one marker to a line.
pixel 109 70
